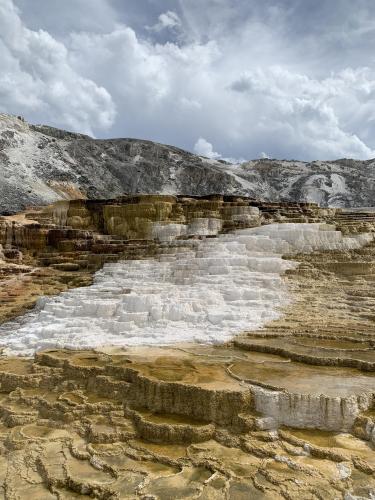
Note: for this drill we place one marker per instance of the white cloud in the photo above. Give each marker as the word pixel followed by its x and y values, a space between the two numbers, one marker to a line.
pixel 235 76
pixel 174 93
pixel 37 79
pixel 205 148
pixel 167 20
pixel 152 84
pixel 310 111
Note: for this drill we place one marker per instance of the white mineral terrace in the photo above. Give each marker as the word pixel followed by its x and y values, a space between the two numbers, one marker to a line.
pixel 206 291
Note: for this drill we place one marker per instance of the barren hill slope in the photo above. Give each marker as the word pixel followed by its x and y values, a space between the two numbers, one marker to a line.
pixel 41 164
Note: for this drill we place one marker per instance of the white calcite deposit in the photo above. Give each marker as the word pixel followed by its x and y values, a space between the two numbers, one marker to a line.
pixel 198 227
pixel 203 291
pixel 309 410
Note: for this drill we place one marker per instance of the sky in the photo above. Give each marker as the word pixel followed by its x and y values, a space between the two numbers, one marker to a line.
pixel 232 79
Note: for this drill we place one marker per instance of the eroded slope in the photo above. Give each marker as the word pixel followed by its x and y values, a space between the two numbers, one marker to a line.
pixel 41 164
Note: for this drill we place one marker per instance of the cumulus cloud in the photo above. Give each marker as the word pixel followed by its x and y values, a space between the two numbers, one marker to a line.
pixel 313 112
pixel 205 148
pixel 167 20
pixel 152 84
pixel 250 76
pixel 37 79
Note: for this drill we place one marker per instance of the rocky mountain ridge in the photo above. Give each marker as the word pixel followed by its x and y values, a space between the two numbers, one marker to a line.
pixel 41 164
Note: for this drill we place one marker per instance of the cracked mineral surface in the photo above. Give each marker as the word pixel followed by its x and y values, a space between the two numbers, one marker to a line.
pixel 269 392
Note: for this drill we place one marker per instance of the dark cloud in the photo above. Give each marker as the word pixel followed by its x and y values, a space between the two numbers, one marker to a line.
pixel 62 17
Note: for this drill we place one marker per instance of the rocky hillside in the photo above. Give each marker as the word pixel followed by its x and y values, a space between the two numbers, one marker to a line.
pixel 41 164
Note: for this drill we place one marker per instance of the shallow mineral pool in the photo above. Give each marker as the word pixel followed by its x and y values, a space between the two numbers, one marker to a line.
pixel 307 379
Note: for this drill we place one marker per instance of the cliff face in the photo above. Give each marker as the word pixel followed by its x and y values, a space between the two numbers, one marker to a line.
pixel 40 164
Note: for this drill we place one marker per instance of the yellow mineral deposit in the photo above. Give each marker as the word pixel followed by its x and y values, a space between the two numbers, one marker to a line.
pixel 224 351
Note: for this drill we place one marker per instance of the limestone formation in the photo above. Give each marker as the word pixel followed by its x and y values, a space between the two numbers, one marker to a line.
pixel 276 400
pixel 62 245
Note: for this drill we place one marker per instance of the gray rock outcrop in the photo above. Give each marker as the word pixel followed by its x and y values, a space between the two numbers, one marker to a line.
pixel 41 164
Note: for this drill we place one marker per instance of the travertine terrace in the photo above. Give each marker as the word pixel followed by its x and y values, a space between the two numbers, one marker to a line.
pixel 275 401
